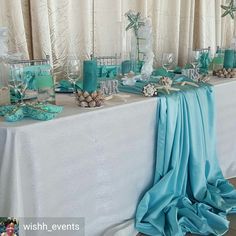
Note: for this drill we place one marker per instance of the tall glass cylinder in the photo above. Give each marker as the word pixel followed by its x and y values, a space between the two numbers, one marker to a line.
pixel 4 89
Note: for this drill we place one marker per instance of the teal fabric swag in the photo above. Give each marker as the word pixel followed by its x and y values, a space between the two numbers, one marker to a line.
pixel 189 192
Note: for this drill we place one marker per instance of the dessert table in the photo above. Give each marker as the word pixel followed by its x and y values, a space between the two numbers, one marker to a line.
pixel 94 163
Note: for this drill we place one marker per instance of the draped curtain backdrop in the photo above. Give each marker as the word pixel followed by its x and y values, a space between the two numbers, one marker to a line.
pixel 63 27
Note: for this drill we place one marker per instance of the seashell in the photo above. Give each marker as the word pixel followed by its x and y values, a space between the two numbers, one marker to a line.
pixel 79 92
pixel 94 94
pixel 222 76
pixel 99 103
pixel 229 70
pixel 228 76
pixel 234 70
pixel 225 73
pixel 81 98
pixel 99 97
pixel 89 99
pixel 92 104
pixel 84 104
pixel 99 93
pixel 85 94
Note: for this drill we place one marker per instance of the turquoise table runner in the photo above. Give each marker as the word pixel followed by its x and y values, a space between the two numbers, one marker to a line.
pixel 189 192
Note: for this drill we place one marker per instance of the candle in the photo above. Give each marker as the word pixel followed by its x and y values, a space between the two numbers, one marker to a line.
pixel 229 58
pixel 90 76
pixel 235 59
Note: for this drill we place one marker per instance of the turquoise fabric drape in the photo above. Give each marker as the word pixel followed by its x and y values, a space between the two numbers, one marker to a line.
pixel 189 192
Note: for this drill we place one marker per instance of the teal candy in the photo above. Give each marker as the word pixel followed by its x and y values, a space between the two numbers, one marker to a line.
pixel 189 192
pixel 126 67
pixel 229 58
pixel 90 76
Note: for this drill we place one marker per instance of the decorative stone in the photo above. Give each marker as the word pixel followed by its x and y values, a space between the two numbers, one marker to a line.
pixel 94 99
pixel 99 103
pixel 85 94
pixel 92 104
pixel 79 92
pixel 94 94
pixel 89 99
pixel 84 104
pixel 81 98
pixel 225 73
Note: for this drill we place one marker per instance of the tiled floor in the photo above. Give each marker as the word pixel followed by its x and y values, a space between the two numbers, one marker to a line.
pixel 231 218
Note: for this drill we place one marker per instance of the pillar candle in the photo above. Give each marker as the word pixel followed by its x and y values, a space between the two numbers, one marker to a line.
pixel 90 76
pixel 119 11
pixel 234 58
pixel 229 58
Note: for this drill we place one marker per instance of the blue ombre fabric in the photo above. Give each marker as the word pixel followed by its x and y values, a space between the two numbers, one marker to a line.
pixel 189 192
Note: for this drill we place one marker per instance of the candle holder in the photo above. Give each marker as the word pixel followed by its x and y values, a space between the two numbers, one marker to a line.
pixel 90 100
pixel 34 77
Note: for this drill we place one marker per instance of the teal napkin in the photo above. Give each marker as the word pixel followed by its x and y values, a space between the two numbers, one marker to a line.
pixel 42 112
pixel 107 71
pixel 139 85
pixel 66 86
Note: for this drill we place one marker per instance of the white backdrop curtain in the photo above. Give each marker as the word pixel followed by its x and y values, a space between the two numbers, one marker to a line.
pixel 63 27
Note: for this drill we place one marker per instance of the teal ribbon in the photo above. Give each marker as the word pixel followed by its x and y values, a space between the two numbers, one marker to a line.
pixel 12 113
pixel 189 192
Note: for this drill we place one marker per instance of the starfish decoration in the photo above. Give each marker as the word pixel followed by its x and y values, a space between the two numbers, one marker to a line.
pixel 135 21
pixel 165 85
pixel 229 9
pixel 39 111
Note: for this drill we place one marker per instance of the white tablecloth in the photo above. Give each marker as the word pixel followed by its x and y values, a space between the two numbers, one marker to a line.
pixel 93 163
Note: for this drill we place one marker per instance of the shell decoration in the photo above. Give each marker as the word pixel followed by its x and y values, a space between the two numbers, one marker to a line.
pixel 90 100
